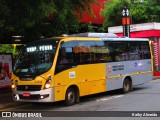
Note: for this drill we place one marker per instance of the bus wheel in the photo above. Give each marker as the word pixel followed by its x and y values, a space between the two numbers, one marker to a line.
pixel 70 97
pixel 127 85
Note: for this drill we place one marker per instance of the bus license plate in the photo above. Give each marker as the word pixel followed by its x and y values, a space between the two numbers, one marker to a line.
pixel 26 94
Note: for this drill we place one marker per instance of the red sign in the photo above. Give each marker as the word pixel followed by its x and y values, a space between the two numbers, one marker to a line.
pixel 26 94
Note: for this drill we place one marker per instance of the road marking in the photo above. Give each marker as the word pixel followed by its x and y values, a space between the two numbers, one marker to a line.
pixel 109 98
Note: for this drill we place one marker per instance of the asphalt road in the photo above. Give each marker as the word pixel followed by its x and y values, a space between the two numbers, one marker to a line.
pixel 142 102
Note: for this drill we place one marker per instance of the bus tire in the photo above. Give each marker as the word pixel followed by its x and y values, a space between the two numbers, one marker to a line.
pixel 127 85
pixel 70 97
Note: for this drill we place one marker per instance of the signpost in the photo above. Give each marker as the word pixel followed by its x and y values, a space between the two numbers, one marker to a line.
pixel 126 19
pixel 126 22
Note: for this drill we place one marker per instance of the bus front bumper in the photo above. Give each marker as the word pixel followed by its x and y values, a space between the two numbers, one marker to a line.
pixel 46 95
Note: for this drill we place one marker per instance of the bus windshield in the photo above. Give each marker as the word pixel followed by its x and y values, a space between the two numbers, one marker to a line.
pixel 35 59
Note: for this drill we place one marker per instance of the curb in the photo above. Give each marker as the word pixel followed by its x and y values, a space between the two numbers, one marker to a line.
pixel 155 78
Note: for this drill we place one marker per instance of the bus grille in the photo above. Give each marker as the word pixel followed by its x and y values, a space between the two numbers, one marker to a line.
pixel 29 87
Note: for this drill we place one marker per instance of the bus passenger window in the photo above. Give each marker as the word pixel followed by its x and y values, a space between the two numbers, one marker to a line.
pixel 83 52
pixel 145 52
pixel 134 51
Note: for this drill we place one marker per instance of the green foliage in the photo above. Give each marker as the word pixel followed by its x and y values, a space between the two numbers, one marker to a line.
pixel 146 12
pixel 140 13
pixel 87 27
pixel 8 48
pixel 90 27
pixel 35 18
pixel 113 12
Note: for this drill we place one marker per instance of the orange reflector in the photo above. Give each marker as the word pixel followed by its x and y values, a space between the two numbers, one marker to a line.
pixel 126 21
pixel 123 21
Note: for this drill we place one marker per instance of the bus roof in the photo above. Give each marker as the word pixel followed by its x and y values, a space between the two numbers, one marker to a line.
pixel 89 37
pixel 98 35
pixel 102 36
pixel 124 39
pixel 102 39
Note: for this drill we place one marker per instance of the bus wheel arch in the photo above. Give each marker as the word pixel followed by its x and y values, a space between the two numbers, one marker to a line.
pixel 72 95
pixel 127 84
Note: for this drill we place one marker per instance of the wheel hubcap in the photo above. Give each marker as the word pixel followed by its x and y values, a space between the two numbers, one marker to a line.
pixel 126 86
pixel 70 97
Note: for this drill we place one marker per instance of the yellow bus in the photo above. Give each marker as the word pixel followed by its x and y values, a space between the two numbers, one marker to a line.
pixel 66 68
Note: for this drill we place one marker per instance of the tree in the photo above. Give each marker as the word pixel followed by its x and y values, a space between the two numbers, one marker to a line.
pixel 35 18
pixel 140 13
pixel 8 48
pixel 113 12
pixel 146 12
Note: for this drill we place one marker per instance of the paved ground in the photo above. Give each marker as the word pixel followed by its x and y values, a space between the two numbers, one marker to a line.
pixel 7 101
pixel 6 98
pixel 144 98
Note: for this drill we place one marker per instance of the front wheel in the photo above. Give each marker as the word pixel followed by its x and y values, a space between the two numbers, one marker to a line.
pixel 127 85
pixel 70 97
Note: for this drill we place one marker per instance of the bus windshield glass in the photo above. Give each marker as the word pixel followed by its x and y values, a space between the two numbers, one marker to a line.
pixel 35 58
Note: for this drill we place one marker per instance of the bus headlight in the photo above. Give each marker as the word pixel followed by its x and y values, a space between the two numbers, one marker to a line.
pixel 14 84
pixel 48 82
